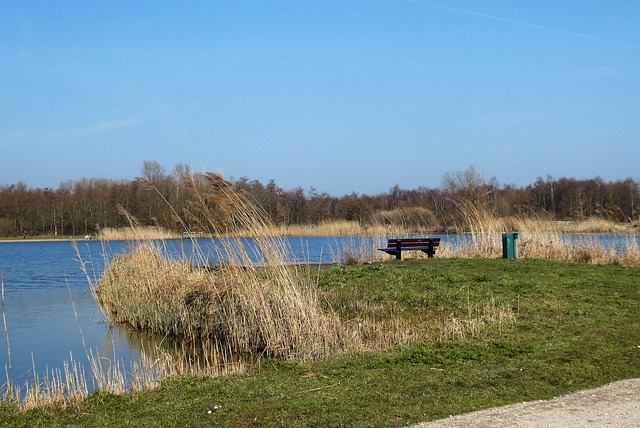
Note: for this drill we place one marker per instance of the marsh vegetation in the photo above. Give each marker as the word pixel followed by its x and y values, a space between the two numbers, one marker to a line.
pixel 483 332
pixel 257 306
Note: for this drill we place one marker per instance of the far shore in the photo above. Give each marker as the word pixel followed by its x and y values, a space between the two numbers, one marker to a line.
pixel 630 230
pixel 40 239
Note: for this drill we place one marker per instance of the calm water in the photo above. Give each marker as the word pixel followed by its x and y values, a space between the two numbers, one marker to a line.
pixel 43 282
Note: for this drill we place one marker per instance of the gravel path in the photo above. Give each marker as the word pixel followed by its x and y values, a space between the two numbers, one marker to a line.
pixel 614 405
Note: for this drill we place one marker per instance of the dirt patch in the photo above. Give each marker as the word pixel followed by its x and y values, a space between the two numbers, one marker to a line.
pixel 614 405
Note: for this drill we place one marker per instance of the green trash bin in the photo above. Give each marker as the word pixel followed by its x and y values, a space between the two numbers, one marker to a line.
pixel 509 246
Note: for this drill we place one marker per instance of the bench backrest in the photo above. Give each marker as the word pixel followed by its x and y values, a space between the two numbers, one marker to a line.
pixel 414 242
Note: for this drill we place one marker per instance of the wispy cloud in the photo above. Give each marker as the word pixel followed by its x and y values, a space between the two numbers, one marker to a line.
pixel 506 120
pixel 591 73
pixel 521 23
pixel 109 125
pixel 26 136
pixel 512 21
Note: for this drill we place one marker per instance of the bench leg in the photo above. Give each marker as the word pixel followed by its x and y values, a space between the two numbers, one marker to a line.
pixel 398 250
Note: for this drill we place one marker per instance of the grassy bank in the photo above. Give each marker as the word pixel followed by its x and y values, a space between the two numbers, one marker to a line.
pixel 483 332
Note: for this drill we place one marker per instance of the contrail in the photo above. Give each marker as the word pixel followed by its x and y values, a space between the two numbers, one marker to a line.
pixel 520 23
pixel 509 21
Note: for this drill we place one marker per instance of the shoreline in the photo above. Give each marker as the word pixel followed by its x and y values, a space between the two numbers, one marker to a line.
pixel 635 231
pixel 41 240
pixel 67 239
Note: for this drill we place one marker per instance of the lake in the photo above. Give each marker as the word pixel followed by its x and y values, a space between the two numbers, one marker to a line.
pixel 51 312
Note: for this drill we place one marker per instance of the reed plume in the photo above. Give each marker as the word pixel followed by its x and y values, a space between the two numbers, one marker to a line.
pixel 255 302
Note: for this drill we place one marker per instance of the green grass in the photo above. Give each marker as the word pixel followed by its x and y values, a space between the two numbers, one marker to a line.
pixel 578 326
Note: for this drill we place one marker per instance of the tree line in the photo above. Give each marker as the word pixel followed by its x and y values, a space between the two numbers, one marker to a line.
pixel 163 199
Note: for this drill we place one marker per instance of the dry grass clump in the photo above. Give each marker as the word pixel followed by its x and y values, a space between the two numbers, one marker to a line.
pixel 538 242
pixel 537 238
pixel 548 245
pixel 476 321
pixel 134 233
pixel 324 228
pixel 362 250
pixel 407 220
pixel 553 246
pixel 483 228
pixel 339 228
pixel 593 225
pixel 60 389
pixel 381 334
pixel 256 302
pixel 67 388
pixel 629 254
pixel 251 309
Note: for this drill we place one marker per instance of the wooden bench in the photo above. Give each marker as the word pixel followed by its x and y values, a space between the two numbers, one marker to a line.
pixel 395 246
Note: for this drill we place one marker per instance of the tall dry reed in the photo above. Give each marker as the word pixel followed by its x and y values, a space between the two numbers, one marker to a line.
pixel 8 390
pixel 363 250
pixel 537 238
pixel 256 302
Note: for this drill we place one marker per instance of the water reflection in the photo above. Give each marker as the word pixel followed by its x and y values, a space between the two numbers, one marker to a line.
pixel 187 356
pixel 153 357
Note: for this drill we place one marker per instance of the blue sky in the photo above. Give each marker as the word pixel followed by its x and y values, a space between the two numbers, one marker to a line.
pixel 345 96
